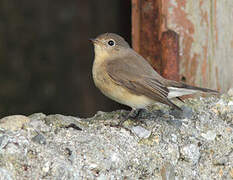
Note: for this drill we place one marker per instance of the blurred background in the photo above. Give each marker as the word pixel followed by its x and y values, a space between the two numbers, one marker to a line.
pixel 46 58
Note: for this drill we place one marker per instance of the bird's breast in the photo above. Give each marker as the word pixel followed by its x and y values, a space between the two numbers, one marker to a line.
pixel 101 78
pixel 117 92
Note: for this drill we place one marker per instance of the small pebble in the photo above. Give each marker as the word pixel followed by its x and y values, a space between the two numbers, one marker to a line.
pixel 39 139
pixel 210 135
pixel 167 172
pixel 3 141
pixel 191 153
pixel 141 132
pixel 230 92
pixel 5 174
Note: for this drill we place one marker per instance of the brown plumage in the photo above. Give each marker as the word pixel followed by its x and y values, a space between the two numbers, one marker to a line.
pixel 126 77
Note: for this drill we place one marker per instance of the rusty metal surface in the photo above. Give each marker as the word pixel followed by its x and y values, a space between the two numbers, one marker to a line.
pixel 152 40
pixel 206 40
pixel 145 30
pixel 170 55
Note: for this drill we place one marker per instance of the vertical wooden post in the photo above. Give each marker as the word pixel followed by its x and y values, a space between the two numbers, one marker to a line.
pixel 159 48
pixel 145 30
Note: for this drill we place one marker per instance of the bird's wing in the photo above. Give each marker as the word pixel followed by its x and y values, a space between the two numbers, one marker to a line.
pixel 138 78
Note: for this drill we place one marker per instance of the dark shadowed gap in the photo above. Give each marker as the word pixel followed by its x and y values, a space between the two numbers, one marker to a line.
pixel 46 58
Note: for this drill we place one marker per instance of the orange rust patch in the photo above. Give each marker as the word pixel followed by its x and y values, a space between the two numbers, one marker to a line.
pixel 180 17
pixel 188 40
pixel 165 6
pixel 232 43
pixel 193 69
pixel 201 3
pixel 186 30
pixel 170 55
pixel 148 31
pixel 181 3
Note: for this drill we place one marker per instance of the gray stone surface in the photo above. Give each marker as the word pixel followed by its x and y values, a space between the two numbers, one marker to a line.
pixel 13 122
pixel 195 144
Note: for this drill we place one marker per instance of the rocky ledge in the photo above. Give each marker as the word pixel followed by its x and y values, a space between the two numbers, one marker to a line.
pixel 166 144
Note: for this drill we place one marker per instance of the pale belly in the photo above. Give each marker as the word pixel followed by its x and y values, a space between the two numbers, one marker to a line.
pixel 118 93
pixel 123 96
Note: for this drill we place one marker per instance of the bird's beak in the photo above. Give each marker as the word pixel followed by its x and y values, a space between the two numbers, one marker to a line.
pixel 93 41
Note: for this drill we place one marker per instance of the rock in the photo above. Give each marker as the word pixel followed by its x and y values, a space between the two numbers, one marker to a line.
pixel 191 153
pixel 230 92
pixel 176 123
pixel 174 138
pixel 196 144
pixel 5 174
pixel 3 141
pixel 167 172
pixel 14 122
pixel 39 138
pixel 102 177
pixel 230 103
pixel 37 116
pixel 46 167
pixel 141 132
pixel 209 135
pixel 231 173
pixel 59 120
pixel 185 113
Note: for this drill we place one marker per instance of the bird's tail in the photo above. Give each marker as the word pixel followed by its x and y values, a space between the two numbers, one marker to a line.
pixel 177 89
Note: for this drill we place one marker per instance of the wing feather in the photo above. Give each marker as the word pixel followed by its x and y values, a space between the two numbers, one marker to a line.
pixel 140 81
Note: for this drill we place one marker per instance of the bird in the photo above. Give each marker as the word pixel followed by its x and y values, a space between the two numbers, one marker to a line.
pixel 126 77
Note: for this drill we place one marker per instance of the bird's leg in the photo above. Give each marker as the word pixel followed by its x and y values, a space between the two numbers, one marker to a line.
pixel 131 114
pixel 127 117
pixel 135 115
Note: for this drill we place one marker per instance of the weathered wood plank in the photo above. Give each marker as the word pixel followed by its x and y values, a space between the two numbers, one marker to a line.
pixel 152 40
pixel 205 39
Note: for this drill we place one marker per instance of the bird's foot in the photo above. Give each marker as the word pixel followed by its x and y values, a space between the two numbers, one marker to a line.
pixel 134 114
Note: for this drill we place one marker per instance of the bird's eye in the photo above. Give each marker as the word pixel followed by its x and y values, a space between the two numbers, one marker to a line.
pixel 111 43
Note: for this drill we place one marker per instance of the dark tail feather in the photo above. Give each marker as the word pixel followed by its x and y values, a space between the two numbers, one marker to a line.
pixel 186 86
pixel 180 99
pixel 200 89
pixel 168 102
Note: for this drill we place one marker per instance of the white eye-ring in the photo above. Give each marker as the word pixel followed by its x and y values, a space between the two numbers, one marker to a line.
pixel 111 42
